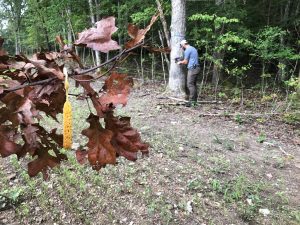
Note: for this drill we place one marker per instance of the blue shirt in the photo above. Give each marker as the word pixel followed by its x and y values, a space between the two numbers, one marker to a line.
pixel 191 55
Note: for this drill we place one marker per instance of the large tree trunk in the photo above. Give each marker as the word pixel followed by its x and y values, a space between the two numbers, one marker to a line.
pixel 178 27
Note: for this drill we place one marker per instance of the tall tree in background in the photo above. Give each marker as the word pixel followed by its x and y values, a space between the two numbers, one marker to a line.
pixel 14 10
pixel 217 55
pixel 93 21
pixel 178 29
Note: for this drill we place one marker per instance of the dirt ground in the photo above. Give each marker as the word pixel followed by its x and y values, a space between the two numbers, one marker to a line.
pixel 202 169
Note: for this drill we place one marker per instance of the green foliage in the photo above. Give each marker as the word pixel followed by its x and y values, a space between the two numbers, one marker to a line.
pixel 13 195
pixel 268 45
pixel 237 189
pixel 292 118
pixel 262 137
pixel 142 17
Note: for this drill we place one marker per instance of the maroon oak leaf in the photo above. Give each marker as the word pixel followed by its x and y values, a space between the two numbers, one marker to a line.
pixel 137 34
pixel 7 142
pixel 115 91
pixel 42 163
pixel 99 38
pixel 100 149
pixel 126 140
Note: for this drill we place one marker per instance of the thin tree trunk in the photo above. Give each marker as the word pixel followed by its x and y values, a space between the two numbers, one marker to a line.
pixel 68 12
pixel 203 75
pixel 163 67
pixel 282 62
pixel 165 54
pixel 269 12
pixel 17 43
pixel 164 22
pixel 93 21
pixel 178 28
pixel 153 66
pixel 142 67
pixel 119 23
pixel 97 4
pixel 217 55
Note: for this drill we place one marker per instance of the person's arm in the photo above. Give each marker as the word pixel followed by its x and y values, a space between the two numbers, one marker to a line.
pixel 185 61
pixel 187 54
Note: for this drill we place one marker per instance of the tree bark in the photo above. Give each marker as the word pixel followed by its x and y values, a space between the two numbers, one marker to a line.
pixel 164 22
pixel 119 22
pixel 282 69
pixel 162 44
pixel 178 28
pixel 218 56
pixel 93 21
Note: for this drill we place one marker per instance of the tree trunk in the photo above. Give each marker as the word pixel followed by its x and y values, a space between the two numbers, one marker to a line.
pixel 69 32
pixel 17 50
pixel 282 69
pixel 119 22
pixel 218 56
pixel 162 44
pixel 163 22
pixel 97 4
pixel 178 28
pixel 93 21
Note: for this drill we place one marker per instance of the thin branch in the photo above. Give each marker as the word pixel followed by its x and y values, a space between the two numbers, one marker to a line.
pixel 101 75
pixel 30 84
pixel 125 51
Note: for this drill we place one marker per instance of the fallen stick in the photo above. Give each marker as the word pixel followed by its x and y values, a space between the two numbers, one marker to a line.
pixel 242 114
pixel 284 152
pixel 183 100
pixel 171 103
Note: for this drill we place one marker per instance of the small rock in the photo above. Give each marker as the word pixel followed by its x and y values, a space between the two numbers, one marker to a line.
pixel 145 128
pixel 268 144
pixel 199 195
pixel 265 212
pixel 75 145
pixel 249 201
pixel 11 176
pixel 269 175
pixel 189 207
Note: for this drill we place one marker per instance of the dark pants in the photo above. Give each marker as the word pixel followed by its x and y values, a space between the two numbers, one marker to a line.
pixel 192 83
